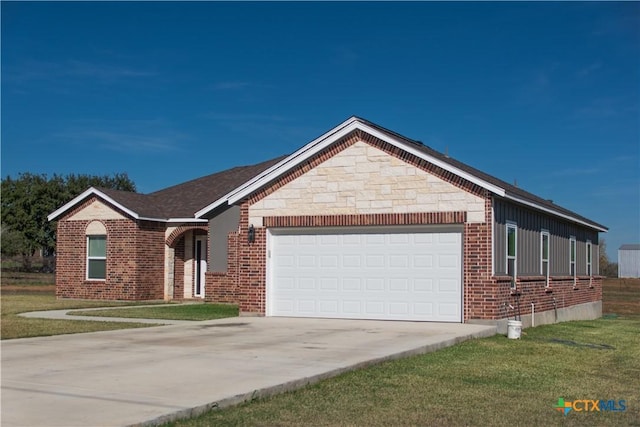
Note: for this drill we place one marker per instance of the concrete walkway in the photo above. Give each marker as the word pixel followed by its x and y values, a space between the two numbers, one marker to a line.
pixel 150 375
pixel 64 315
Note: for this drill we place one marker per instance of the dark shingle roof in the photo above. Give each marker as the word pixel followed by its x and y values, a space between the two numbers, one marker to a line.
pixel 184 200
pixel 510 189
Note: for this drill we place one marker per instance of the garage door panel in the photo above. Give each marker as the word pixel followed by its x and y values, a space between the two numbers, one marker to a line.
pixel 423 285
pixel 423 309
pixel 374 308
pixel 448 286
pixel 397 285
pixel 374 284
pixel 352 284
pixel 329 284
pixel 399 309
pixel 393 275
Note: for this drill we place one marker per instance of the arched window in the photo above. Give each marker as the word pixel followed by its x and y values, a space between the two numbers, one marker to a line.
pixel 96 251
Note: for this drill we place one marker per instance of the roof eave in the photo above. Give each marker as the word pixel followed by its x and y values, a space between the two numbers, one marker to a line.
pixel 539 207
pixel 91 191
pixel 329 138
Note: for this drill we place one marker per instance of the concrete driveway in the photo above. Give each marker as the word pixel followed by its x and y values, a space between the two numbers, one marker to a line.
pixel 145 376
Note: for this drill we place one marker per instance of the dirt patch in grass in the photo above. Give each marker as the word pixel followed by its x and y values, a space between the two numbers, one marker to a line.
pixel 13 278
pixel 621 297
pixel 39 289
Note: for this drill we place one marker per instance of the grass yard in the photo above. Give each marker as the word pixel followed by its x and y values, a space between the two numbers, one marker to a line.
pixel 22 292
pixel 492 381
pixel 172 311
pixel 487 382
pixel 14 326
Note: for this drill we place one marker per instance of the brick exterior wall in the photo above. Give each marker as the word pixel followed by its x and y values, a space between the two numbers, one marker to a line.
pixel 178 268
pixel 134 263
pixel 222 286
pixel 484 296
pixel 135 251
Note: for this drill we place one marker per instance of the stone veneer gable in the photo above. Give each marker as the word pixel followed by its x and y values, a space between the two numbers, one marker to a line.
pixel 95 210
pixel 363 179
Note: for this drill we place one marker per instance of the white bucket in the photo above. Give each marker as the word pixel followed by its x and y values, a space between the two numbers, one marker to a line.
pixel 514 329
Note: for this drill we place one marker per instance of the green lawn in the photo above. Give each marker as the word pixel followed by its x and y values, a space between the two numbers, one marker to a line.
pixel 14 326
pixel 172 311
pixel 492 381
pixel 487 382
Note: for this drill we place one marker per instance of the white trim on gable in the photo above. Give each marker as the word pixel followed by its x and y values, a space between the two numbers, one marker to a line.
pixel 554 212
pixel 100 194
pixel 86 194
pixel 323 142
pixel 318 145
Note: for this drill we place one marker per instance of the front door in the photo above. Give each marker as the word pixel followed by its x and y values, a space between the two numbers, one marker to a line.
pixel 201 265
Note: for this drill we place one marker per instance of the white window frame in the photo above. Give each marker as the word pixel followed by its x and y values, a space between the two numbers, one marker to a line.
pixel 589 255
pixel 514 226
pixel 543 234
pixel 96 258
pixel 573 252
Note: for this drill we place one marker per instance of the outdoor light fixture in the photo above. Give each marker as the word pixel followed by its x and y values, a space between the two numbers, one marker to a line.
pixel 251 235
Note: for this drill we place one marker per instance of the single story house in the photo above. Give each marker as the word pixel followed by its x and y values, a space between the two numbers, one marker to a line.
pixel 359 223
pixel 629 261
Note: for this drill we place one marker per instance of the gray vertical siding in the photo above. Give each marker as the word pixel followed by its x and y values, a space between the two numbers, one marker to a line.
pixel 530 223
pixel 219 228
pixel 628 263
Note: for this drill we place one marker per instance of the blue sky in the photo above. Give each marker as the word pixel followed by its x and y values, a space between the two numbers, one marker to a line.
pixel 547 94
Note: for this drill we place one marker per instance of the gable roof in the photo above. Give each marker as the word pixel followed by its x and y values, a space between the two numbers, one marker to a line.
pixel 173 204
pixel 486 181
pixel 195 199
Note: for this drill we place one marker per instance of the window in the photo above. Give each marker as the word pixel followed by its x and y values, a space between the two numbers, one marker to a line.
pixel 588 258
pixel 544 255
pixel 572 257
pixel 512 252
pixel 96 257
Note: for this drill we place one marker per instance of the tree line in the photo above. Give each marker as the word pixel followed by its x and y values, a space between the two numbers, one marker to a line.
pixel 27 201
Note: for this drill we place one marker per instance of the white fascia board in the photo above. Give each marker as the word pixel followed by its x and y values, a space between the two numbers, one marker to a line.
pixel 256 182
pixel 222 200
pixel 87 193
pixel 335 134
pixel 444 165
pixel 204 221
pixel 554 212
pixel 294 159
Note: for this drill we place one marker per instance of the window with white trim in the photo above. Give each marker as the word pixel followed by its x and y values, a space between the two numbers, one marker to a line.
pixel 512 252
pixel 96 257
pixel 544 255
pixel 572 257
pixel 589 257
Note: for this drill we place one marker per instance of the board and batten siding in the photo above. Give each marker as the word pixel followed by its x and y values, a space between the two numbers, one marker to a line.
pixel 530 225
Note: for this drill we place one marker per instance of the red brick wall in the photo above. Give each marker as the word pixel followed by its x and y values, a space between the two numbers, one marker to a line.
pixel 134 266
pixel 222 287
pixel 178 270
pixel 485 296
pixel 149 257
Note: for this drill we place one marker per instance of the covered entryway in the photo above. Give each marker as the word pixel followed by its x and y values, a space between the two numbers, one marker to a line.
pixel 383 273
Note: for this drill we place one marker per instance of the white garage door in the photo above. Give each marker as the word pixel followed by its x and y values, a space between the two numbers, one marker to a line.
pixel 395 273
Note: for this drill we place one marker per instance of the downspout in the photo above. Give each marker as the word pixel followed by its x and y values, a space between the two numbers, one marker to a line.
pixel 533 315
